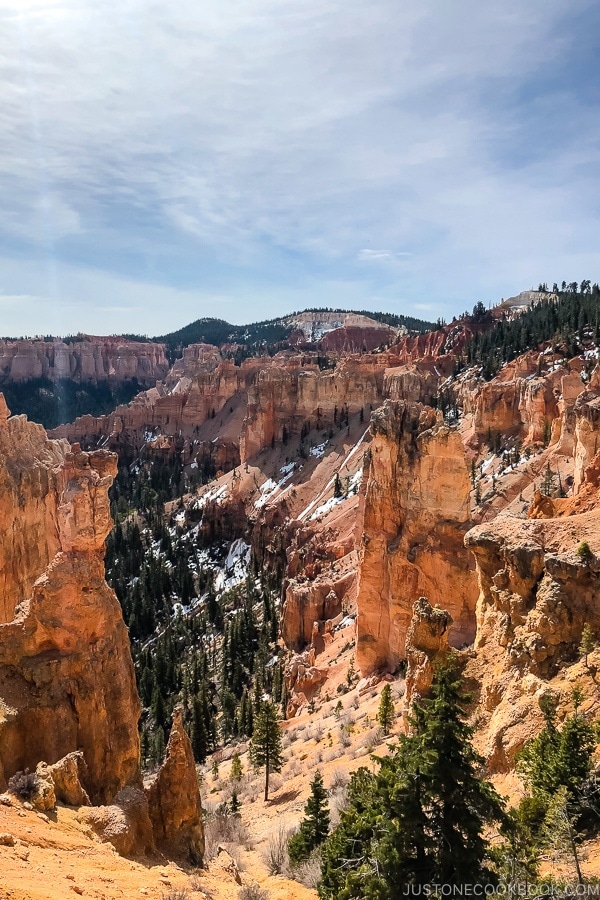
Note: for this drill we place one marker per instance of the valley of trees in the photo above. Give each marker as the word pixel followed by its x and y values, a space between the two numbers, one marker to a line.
pixel 53 403
pixel 214 651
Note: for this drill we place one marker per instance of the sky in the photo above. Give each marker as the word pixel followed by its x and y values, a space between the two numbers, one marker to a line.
pixel 165 161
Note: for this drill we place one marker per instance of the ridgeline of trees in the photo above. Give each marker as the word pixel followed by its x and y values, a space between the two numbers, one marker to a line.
pixel 269 333
pixel 566 321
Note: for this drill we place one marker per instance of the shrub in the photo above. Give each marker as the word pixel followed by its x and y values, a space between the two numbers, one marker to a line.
pixel 23 784
pixel 308 872
pixel 583 552
pixel 276 856
pixel 252 892
pixel 223 828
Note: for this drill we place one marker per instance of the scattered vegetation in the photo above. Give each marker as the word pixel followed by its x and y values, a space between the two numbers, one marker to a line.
pixel 422 816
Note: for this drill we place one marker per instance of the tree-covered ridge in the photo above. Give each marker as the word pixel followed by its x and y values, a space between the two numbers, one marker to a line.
pixel 270 331
pixel 567 317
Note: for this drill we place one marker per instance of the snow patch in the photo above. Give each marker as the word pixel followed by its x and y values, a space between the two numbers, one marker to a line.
pixel 319 450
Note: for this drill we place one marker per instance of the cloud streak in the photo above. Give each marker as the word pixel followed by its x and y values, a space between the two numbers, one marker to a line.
pixel 262 149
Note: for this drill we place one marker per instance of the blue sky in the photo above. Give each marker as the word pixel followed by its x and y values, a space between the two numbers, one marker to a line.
pixel 244 158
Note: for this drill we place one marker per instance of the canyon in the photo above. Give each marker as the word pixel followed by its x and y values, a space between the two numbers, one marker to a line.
pixel 403 507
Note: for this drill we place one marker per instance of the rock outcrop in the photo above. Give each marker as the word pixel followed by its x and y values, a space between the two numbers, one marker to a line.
pixel 125 823
pixel 536 595
pixel 66 676
pixel 174 798
pixel 416 516
pixel 293 392
pixel 426 642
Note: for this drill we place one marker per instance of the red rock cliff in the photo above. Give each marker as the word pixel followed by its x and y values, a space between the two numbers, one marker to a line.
pixel 66 676
pixel 416 515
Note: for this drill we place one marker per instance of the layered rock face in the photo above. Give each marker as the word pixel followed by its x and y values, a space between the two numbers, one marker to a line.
pixel 288 396
pixel 198 386
pixel 90 360
pixel 416 515
pixel 536 595
pixel 66 676
pixel 314 588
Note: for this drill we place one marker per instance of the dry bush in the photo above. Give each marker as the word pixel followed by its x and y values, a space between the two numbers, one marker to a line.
pixel 308 872
pixel 339 779
pixel 223 829
pixel 252 892
pixel 196 883
pixel 338 802
pixel 23 784
pixel 319 757
pixel 275 781
pixel 345 736
pixel 293 768
pixel 360 751
pixel 356 701
pixel 176 894
pixel 317 732
pixel 276 854
pixel 332 754
pixel 399 690
pixel 374 737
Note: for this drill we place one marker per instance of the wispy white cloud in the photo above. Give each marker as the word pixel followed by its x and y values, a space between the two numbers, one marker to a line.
pixel 257 148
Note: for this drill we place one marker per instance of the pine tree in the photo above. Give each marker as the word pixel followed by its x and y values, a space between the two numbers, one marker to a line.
pixel 337 486
pixel 386 712
pixel 421 818
pixel 588 643
pixel 560 828
pixel 266 747
pixel 236 767
pixel 556 759
pixel 314 828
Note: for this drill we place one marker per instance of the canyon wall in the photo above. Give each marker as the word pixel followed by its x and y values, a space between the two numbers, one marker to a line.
pixel 416 515
pixel 89 360
pixel 536 595
pixel 288 395
pixel 66 676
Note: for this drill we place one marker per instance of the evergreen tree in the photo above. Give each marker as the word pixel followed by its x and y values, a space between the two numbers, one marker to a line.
pixel 588 643
pixel 556 759
pixel 560 828
pixel 386 712
pixel 337 486
pixel 236 767
pixel 265 747
pixel 314 828
pixel 421 818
